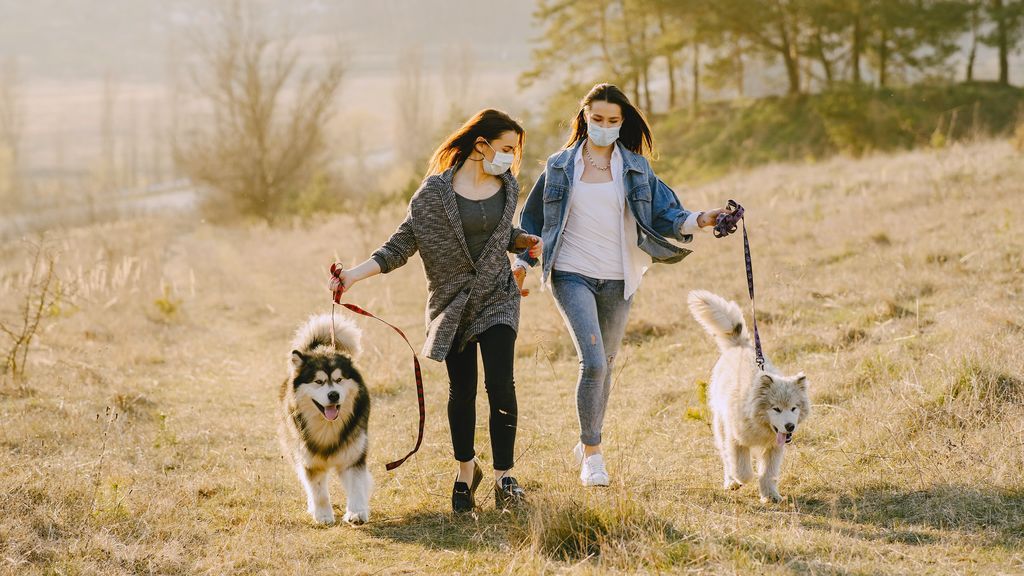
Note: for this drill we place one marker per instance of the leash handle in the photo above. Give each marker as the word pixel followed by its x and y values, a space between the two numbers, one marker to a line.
pixel 338 292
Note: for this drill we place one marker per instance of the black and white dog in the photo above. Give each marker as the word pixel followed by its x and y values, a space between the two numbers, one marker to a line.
pixel 325 408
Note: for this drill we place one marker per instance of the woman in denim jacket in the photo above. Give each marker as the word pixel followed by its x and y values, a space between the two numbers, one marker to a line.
pixel 603 216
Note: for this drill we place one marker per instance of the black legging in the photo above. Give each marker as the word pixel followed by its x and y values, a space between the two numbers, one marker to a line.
pixel 497 347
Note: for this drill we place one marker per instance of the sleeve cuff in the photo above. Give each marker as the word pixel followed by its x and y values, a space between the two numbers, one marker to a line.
pixel 690 225
pixel 381 262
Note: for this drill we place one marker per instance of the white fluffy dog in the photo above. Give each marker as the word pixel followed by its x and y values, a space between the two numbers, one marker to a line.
pixel 751 409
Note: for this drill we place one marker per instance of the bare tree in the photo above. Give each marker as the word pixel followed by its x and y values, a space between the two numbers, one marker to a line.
pixel 11 126
pixel 457 77
pixel 414 104
pixel 264 140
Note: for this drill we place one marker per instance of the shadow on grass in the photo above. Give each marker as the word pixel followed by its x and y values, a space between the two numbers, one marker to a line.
pixel 618 533
pixel 768 554
pixel 479 531
pixel 944 507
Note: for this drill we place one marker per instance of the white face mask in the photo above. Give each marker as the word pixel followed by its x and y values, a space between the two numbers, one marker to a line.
pixel 501 163
pixel 603 136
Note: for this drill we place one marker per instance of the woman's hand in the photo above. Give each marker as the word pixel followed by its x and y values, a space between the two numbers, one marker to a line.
pixel 709 218
pixel 531 242
pixel 519 273
pixel 343 279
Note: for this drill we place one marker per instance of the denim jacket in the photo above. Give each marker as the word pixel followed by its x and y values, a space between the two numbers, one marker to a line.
pixel 656 208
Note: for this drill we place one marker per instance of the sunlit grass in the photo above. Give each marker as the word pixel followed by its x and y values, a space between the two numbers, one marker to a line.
pixel 144 439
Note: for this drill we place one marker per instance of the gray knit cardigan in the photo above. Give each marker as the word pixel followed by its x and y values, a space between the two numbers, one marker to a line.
pixel 464 297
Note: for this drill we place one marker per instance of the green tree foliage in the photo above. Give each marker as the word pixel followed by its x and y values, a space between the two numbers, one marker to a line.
pixel 816 43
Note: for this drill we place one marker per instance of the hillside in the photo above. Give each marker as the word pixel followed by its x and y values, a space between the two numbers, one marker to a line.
pixel 143 440
pixel 747 133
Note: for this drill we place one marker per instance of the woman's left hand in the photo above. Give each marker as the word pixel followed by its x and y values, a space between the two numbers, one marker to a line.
pixel 531 242
pixel 519 273
pixel 710 217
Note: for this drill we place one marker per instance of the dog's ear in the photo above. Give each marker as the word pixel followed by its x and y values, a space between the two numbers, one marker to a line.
pixel 297 359
pixel 801 381
pixel 765 381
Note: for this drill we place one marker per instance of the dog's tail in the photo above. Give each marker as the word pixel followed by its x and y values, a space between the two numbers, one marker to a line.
pixel 316 332
pixel 720 317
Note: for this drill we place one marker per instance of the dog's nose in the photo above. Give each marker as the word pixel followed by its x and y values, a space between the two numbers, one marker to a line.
pixel 789 427
pixel 333 396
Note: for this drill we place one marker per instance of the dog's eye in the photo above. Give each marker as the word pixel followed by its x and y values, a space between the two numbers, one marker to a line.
pixel 779 410
pixel 793 409
pixel 319 382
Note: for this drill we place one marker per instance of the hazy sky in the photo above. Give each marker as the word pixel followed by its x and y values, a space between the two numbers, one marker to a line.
pixel 79 39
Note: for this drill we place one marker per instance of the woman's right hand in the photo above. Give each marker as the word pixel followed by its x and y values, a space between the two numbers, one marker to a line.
pixel 342 278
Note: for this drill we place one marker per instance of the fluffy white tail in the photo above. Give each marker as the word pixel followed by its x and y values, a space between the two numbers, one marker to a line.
pixel 720 317
pixel 316 332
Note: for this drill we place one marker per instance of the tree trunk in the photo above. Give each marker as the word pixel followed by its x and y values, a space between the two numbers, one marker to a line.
pixel 648 105
pixel 695 70
pixel 791 58
pixel 826 66
pixel 1002 41
pixel 883 58
pixel 974 42
pixel 856 49
pixel 645 62
pixel 670 63
pixel 738 55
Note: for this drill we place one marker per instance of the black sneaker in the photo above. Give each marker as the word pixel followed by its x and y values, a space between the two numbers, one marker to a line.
pixel 508 494
pixel 462 494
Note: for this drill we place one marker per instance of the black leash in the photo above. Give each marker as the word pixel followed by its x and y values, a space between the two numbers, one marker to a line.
pixel 725 225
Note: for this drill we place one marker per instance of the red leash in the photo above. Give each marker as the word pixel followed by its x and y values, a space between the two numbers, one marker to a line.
pixel 335 270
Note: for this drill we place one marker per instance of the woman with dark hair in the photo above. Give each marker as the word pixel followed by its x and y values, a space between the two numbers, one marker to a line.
pixel 603 215
pixel 460 221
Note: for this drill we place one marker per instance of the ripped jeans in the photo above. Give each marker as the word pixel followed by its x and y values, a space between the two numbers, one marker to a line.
pixel 595 313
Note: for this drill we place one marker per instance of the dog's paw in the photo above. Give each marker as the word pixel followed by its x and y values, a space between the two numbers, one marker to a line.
pixel 356 517
pixel 772 496
pixel 324 516
pixel 732 484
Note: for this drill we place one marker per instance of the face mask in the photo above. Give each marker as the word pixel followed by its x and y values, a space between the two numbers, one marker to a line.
pixel 603 136
pixel 501 163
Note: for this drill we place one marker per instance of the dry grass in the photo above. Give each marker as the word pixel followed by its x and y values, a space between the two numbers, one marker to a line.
pixel 144 441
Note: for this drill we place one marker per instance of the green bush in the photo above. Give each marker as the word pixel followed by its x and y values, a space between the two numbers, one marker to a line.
pixel 847 119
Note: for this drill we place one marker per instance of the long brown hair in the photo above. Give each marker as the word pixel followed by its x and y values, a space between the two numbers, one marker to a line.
pixel 489 124
pixel 635 133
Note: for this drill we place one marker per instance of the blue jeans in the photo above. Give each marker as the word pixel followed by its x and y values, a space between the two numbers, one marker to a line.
pixel 595 313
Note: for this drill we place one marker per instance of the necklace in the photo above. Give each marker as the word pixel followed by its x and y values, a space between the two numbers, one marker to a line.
pixel 586 150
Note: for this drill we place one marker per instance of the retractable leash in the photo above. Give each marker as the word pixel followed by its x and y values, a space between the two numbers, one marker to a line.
pixel 725 225
pixel 335 271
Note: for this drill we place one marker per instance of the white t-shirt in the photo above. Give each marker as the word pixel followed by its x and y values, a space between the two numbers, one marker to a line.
pixel 592 238
pixel 594 256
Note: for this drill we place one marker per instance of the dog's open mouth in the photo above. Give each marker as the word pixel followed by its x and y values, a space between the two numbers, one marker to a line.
pixel 783 438
pixel 330 411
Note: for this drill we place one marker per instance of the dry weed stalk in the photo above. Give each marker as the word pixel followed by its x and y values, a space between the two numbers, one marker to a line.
pixel 42 292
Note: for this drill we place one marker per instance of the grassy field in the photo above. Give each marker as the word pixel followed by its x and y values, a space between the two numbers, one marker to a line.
pixel 143 439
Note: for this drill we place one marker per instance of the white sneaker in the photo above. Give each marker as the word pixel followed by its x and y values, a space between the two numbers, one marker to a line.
pixel 592 471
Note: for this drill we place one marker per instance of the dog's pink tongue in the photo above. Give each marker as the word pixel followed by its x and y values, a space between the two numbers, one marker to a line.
pixel 331 412
pixel 780 439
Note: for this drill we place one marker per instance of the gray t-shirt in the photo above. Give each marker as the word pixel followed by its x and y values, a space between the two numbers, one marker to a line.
pixel 480 218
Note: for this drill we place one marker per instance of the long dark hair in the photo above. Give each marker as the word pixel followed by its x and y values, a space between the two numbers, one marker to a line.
pixel 457 147
pixel 635 133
